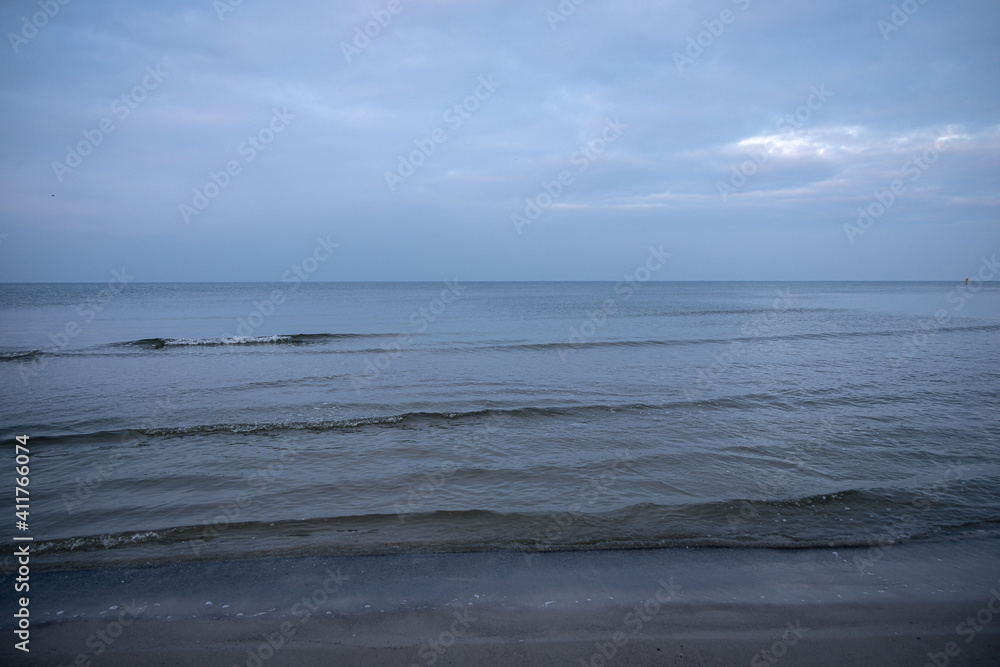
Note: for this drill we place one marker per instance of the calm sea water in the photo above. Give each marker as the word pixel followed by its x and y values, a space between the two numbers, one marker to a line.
pixel 172 421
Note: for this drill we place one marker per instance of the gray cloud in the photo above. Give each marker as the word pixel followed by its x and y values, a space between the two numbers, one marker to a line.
pixel 894 94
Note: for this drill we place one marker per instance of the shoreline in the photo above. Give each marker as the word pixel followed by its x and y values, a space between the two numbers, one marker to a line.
pixel 697 606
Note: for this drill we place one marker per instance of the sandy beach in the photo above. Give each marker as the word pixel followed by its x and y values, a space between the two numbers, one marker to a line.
pixel 915 604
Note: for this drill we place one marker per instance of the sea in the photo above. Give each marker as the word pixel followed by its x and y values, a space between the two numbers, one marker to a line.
pixel 201 421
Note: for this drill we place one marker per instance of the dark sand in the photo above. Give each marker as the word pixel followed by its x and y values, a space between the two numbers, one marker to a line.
pixel 727 606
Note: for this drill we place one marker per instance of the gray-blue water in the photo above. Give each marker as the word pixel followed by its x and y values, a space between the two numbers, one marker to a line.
pixel 171 421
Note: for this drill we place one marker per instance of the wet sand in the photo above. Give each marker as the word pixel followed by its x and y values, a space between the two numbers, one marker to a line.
pixel 928 603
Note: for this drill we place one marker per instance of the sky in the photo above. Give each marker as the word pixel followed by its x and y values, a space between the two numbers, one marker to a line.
pixel 226 140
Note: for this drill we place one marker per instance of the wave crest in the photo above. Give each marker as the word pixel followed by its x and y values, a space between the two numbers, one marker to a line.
pixel 23 355
pixel 277 339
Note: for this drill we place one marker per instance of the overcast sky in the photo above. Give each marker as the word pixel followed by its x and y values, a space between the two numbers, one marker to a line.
pixel 740 135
